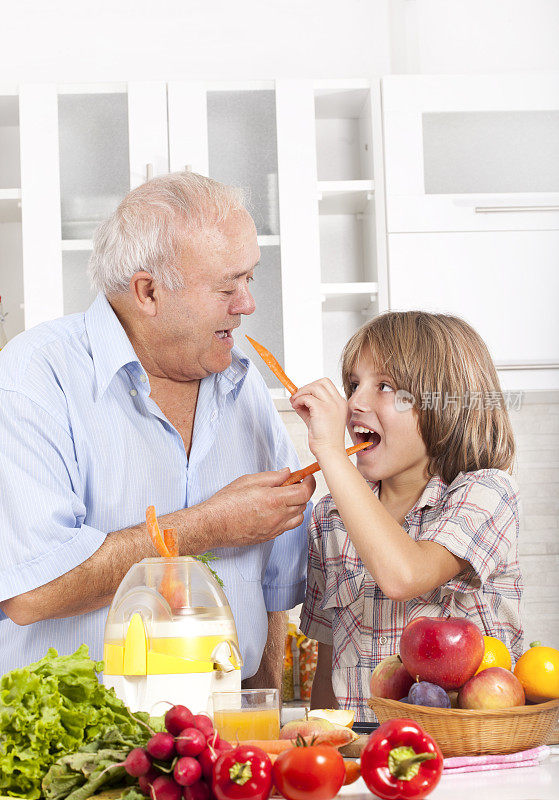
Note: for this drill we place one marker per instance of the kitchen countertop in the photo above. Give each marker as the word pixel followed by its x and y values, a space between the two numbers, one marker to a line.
pixel 521 783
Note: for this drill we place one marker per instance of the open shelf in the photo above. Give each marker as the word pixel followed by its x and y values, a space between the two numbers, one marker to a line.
pixel 87 244
pixel 342 289
pixel 344 197
pixel 10 205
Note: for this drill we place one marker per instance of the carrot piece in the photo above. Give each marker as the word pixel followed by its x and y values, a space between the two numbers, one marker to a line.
pixel 274 365
pixel 352 771
pixel 154 532
pixel 171 541
pixel 336 737
pixel 297 476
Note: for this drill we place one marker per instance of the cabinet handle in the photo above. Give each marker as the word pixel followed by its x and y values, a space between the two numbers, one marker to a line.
pixel 149 172
pixel 509 209
pixel 528 365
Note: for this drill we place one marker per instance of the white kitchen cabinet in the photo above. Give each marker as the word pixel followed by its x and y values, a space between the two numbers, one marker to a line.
pixel 332 218
pixel 504 283
pixel 472 209
pixel 471 152
pixel 82 149
pixel 309 154
pixel 11 278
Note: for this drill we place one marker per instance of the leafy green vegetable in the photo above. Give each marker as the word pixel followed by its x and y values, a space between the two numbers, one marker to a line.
pixel 205 558
pixel 51 708
pixel 79 775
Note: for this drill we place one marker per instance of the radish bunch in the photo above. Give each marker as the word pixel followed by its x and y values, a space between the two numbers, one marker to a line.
pixel 177 764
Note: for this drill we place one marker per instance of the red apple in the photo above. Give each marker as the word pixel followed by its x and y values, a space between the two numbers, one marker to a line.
pixel 390 679
pixel 442 650
pixel 492 688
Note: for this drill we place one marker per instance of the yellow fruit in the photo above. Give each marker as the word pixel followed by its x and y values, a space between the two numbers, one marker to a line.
pixel 338 716
pixel 538 672
pixel 495 655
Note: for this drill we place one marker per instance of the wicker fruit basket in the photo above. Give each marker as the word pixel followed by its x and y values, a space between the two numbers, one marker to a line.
pixel 475 733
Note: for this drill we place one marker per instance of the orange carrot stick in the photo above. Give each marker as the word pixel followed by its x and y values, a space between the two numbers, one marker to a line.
pixel 155 533
pixel 274 365
pixel 171 541
pixel 297 476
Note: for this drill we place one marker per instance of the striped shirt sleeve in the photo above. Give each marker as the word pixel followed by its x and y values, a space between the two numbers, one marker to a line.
pixel 479 523
pixel 41 503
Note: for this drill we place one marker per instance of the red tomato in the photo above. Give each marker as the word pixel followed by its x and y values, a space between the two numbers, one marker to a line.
pixel 309 773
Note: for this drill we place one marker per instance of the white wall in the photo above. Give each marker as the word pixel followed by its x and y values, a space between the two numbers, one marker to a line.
pixel 465 36
pixel 117 40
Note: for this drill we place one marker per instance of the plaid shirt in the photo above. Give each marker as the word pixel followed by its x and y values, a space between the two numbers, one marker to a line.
pixel 475 517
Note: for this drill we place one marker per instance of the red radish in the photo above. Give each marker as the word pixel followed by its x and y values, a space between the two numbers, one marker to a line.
pixel 187 771
pixel 145 781
pixel 223 745
pixel 164 788
pixel 178 718
pixel 161 746
pixel 207 759
pixel 190 742
pixel 204 724
pixel 137 762
pixel 198 791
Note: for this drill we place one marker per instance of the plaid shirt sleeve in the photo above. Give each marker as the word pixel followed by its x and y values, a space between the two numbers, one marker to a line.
pixel 316 622
pixel 479 523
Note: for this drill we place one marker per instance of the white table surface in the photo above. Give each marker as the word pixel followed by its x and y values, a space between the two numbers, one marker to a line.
pixel 520 783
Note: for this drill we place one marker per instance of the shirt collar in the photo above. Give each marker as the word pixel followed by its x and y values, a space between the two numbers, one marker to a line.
pixel 111 348
pixel 433 493
pixel 435 490
pixel 232 378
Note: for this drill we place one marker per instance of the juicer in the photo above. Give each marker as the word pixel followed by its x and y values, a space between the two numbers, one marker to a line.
pixel 170 636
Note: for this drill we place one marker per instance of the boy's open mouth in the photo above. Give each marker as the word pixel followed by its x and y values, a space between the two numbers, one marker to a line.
pixel 363 434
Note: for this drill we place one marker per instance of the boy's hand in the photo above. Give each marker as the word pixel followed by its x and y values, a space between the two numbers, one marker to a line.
pixel 324 412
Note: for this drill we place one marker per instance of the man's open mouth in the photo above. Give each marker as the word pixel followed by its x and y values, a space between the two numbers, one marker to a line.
pixel 364 434
pixel 224 333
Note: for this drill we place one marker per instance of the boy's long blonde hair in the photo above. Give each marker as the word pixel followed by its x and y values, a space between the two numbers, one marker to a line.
pixel 433 357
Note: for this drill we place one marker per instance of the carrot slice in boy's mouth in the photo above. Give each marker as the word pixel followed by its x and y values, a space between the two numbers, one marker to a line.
pixel 370 436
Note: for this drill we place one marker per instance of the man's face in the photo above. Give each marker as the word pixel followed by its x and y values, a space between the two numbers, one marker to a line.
pixel 197 323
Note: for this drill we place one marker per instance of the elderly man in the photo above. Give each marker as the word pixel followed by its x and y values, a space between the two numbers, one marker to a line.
pixel 145 400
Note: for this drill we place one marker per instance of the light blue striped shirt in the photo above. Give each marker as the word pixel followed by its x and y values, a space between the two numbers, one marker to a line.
pixel 84 450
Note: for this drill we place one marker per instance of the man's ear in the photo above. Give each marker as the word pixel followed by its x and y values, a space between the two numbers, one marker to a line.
pixel 144 293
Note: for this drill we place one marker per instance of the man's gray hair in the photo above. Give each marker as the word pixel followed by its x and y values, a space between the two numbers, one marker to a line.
pixel 148 229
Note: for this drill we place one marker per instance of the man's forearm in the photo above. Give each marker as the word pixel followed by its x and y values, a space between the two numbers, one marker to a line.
pixel 92 584
pixel 271 665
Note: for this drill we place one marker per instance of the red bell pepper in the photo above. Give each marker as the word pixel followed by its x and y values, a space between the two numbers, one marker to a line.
pixel 243 773
pixel 401 761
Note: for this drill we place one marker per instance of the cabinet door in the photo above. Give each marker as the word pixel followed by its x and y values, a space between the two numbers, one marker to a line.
pixel 242 151
pixel 477 152
pixel 82 149
pixel 505 284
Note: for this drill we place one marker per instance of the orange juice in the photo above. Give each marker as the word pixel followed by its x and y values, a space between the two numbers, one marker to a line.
pixel 233 725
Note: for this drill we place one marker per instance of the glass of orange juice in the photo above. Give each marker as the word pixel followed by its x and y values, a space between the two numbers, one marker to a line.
pixel 247 714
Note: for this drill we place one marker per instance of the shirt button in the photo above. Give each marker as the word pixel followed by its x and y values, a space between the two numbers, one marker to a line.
pixel 143 378
pixel 382 640
pixel 133 392
pixel 214 416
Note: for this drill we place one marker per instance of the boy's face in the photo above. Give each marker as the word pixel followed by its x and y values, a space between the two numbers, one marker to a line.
pixel 397 449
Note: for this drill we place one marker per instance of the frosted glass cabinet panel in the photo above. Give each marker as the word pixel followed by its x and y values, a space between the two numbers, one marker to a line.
pixel 471 152
pixel 9 143
pixel 78 294
pixel 94 159
pixel 266 324
pixel 491 151
pixel 242 147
